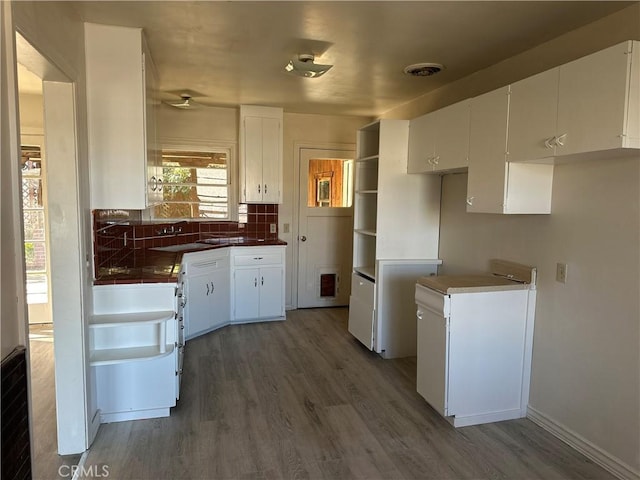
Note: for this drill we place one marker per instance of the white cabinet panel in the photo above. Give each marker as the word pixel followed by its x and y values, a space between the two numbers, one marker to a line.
pixel 258 283
pixel 486 188
pixel 596 106
pixel 260 154
pixel 533 112
pixel 439 141
pixel 121 118
pixel 432 376
pixel 494 184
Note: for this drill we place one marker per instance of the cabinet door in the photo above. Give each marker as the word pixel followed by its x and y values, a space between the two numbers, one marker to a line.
pixel 253 187
pixel 153 157
pixel 533 111
pixel 247 293
pixel 198 312
pixel 433 359
pixel 422 144
pixel 271 155
pixel 486 185
pixel 452 140
pixel 220 297
pixel 271 292
pixel 593 101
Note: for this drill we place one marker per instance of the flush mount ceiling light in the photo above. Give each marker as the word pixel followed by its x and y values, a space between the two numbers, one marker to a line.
pixel 423 69
pixel 303 66
pixel 185 103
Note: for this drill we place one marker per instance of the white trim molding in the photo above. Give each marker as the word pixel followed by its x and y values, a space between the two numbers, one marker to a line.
pixel 607 461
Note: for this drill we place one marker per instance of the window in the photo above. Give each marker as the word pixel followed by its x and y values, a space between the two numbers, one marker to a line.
pixel 196 184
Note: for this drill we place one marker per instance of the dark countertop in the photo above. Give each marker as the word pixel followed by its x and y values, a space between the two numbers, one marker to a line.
pixel 162 264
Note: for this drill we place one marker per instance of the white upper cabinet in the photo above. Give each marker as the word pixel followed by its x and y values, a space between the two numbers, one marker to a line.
pixel 260 154
pixel 439 141
pixel 599 101
pixel 495 185
pixel 589 105
pixel 533 112
pixel 123 151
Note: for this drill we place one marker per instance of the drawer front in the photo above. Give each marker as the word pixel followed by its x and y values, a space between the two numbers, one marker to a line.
pixel 257 258
pixel 363 289
pixel 208 264
pixel 433 301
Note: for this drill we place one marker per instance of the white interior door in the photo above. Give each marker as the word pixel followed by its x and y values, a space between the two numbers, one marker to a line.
pixel 325 227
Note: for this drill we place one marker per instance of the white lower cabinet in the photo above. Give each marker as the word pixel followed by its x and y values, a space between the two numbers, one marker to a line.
pixel 134 351
pixel 474 353
pixel 361 309
pixel 258 283
pixel 206 277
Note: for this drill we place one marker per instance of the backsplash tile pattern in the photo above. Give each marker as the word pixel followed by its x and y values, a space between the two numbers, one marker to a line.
pixel 122 239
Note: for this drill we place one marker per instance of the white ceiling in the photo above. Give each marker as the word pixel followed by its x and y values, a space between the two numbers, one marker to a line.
pixel 233 53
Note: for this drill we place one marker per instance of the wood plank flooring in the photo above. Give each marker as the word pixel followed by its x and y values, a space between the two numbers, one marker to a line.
pixel 303 399
pixel 45 462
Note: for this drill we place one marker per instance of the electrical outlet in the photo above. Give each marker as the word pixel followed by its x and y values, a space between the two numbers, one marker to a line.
pixel 561 272
pixel 272 228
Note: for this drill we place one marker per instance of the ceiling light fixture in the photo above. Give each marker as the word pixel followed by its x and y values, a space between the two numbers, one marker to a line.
pixel 423 69
pixel 303 66
pixel 185 104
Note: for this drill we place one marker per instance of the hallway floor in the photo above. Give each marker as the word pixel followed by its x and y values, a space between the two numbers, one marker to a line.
pixel 46 462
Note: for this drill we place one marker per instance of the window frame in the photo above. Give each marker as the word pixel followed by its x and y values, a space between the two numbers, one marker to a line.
pixel 190 145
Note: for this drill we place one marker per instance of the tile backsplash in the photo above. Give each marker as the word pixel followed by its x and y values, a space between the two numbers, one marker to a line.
pixel 121 238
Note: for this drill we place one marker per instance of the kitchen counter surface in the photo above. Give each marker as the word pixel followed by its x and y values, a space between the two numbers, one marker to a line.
pixel 162 264
pixel 448 284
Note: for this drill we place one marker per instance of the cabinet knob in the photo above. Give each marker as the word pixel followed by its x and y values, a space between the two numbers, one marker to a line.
pixel 470 200
pixel 560 140
pixel 436 160
pixel 258 188
pixel 265 188
pixel 255 282
pixel 547 142
pixel 159 184
pixel 419 314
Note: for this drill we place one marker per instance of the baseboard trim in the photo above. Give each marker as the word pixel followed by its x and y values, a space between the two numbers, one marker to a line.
pixel 584 446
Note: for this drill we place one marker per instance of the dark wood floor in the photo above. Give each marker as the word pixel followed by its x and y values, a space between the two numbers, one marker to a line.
pixel 46 462
pixel 303 399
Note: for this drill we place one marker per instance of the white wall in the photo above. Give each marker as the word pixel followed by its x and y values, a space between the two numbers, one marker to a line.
pixel 12 299
pixel 31 114
pixel 586 364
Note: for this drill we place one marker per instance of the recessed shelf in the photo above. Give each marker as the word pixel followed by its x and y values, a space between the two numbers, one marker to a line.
pixel 367 191
pixel 111 356
pixel 370 158
pixel 128 319
pixel 366 271
pixel 371 233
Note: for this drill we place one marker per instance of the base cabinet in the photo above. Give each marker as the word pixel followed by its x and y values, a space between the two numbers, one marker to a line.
pixel 207 290
pixel 474 353
pixel 258 283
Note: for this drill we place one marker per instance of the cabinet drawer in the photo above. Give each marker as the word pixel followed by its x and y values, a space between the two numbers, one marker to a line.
pixel 362 289
pixel 433 301
pixel 193 266
pixel 257 258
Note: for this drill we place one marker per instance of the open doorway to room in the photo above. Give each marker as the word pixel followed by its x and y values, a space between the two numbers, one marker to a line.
pixel 53 260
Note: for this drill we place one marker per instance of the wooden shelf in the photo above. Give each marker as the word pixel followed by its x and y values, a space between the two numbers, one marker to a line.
pixel 129 319
pixel 370 158
pixel 362 231
pixel 113 356
pixel 367 271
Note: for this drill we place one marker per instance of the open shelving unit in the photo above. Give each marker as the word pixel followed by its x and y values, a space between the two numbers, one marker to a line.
pixel 395 238
pixel 127 337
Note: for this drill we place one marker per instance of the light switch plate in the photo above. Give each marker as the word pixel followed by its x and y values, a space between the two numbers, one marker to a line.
pixel 561 272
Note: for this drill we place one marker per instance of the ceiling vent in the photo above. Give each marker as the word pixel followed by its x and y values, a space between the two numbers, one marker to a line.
pixel 423 69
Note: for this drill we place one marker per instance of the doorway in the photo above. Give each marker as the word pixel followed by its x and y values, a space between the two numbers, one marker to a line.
pixel 67 262
pixel 325 227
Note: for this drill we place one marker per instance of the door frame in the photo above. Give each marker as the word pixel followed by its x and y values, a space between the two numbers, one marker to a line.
pixel 294 249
